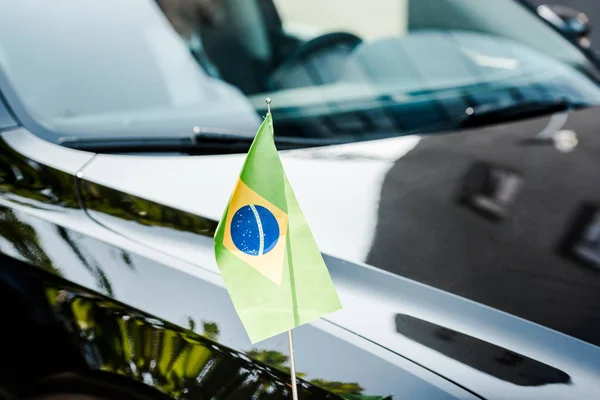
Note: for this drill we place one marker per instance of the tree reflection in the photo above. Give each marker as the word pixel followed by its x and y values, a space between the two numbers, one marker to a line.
pixel 88 261
pixel 127 259
pixel 28 179
pixel 338 387
pixel 131 208
pixel 178 362
pixel 273 359
pixel 279 361
pixel 24 239
pixel 211 330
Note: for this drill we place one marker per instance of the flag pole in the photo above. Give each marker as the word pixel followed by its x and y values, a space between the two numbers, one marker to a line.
pixel 290 339
pixel 292 366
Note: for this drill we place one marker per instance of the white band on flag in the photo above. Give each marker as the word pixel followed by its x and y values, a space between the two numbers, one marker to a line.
pixel 261 247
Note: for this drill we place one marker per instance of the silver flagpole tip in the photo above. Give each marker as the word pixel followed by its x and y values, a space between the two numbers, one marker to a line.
pixel 268 100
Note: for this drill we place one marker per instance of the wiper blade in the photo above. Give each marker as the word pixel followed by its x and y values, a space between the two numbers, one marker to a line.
pixel 495 113
pixel 201 143
pixel 211 141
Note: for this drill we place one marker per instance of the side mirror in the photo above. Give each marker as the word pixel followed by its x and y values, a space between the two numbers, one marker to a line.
pixel 571 22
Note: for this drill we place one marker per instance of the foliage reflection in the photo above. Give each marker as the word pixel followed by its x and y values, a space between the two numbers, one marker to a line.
pixel 178 362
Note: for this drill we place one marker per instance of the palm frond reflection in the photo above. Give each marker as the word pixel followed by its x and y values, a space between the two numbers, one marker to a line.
pixel 180 363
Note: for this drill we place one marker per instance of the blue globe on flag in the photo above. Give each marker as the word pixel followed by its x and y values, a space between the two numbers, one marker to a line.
pixel 254 230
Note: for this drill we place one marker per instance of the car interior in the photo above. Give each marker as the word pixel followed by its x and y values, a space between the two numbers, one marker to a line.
pixel 276 54
pixel 355 77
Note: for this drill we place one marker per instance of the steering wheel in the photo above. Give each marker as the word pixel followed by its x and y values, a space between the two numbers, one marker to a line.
pixel 334 40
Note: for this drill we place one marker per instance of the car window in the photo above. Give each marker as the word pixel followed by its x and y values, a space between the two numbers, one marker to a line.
pixel 374 67
pixel 96 67
pixel 167 67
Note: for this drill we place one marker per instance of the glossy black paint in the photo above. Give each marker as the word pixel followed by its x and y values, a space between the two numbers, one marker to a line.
pixel 487 357
pixel 87 332
pixel 110 241
pixel 100 200
pixel 55 234
pixel 512 261
pixel 511 211
pixel 117 252
pixel 23 178
pixel 498 201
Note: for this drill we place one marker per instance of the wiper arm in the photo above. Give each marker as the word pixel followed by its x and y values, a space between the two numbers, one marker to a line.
pixel 201 143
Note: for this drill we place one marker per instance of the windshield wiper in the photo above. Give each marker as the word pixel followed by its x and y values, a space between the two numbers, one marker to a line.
pixel 203 143
pixel 207 142
pixel 495 113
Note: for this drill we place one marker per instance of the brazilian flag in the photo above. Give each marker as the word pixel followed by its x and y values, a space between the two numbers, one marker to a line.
pixel 267 255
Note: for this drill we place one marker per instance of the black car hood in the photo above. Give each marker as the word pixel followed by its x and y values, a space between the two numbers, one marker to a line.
pixel 483 213
pixel 498 215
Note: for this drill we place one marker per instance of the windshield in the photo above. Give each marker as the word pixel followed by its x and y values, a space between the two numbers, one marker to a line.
pixel 362 70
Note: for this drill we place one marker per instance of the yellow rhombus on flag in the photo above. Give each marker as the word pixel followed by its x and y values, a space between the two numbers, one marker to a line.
pixel 271 265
